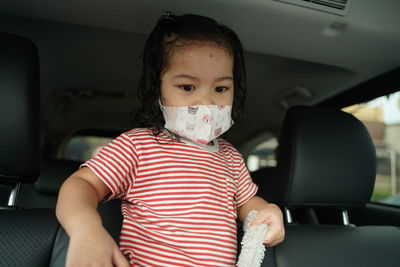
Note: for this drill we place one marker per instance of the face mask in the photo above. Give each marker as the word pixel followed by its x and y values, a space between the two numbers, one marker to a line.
pixel 201 124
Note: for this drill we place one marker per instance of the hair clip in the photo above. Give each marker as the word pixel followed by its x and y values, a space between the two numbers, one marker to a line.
pixel 168 16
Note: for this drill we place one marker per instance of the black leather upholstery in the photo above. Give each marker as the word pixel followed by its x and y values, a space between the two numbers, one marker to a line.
pixel 263 178
pixel 4 194
pixel 333 246
pixel 43 193
pixel 27 237
pixel 19 109
pixel 326 158
pixel 53 174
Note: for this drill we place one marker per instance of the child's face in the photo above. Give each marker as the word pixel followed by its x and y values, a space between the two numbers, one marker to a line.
pixel 198 74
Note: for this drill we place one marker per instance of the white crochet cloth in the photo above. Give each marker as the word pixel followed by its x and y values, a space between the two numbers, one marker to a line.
pixel 253 249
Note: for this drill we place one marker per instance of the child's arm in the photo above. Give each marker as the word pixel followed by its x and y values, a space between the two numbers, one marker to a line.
pixel 267 213
pixel 90 244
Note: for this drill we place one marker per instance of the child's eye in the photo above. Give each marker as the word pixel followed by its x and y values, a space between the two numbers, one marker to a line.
pixel 186 87
pixel 221 89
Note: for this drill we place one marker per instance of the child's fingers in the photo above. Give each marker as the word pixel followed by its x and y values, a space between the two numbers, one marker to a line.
pixel 259 219
pixel 275 235
pixel 269 239
pixel 276 231
pixel 118 259
pixel 270 236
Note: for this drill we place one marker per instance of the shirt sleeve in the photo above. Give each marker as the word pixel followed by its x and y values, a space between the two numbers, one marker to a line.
pixel 246 187
pixel 115 164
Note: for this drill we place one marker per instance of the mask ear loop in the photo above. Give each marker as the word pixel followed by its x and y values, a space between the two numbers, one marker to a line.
pixel 161 106
pixel 172 134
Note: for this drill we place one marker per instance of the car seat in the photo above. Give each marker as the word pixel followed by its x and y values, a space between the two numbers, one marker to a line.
pixel 26 236
pixel 29 237
pixel 327 160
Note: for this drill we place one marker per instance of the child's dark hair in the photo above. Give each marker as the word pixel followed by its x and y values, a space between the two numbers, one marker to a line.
pixel 172 31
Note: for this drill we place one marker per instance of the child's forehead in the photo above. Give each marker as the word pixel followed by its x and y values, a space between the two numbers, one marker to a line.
pixel 184 47
pixel 201 58
pixel 196 49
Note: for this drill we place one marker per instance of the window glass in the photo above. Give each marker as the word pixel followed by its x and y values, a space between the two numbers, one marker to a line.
pixel 83 148
pixel 381 116
pixel 263 155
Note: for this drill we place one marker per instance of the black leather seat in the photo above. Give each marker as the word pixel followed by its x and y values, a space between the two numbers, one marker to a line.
pixel 30 237
pixel 26 236
pixel 326 160
pixel 44 192
pixel 262 176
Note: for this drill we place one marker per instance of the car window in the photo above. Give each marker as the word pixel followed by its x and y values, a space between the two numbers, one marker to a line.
pixel 381 116
pixel 83 148
pixel 262 155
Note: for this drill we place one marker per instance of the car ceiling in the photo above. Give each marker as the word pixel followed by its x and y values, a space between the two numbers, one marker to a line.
pixel 287 48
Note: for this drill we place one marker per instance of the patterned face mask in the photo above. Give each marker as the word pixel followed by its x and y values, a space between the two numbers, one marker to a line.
pixel 201 124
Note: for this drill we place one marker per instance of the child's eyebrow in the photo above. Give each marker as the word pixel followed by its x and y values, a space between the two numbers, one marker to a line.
pixel 185 76
pixel 195 78
pixel 225 78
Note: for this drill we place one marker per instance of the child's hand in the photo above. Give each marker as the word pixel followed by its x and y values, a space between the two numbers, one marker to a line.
pixel 93 246
pixel 272 216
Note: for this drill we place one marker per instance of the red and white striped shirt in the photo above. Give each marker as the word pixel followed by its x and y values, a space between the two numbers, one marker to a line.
pixel 179 200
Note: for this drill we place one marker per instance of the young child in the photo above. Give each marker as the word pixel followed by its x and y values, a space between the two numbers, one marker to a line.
pixel 182 188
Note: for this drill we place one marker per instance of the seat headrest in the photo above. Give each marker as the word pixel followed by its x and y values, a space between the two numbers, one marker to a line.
pixel 53 174
pixel 325 158
pixel 19 109
pixel 262 178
